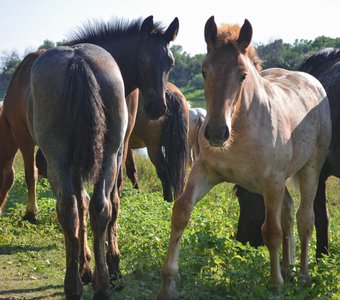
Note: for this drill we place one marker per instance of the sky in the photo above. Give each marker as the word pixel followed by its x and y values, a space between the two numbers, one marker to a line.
pixel 25 24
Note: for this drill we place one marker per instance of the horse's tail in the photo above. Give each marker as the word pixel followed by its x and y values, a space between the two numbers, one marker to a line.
pixel 85 105
pixel 175 141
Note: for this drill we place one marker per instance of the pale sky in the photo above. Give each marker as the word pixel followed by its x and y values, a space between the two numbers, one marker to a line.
pixel 25 24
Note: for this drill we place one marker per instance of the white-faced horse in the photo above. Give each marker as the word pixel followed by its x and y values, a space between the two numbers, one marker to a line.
pixel 260 129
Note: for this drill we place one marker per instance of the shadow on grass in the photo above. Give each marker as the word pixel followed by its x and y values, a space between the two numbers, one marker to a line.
pixel 13 249
pixel 19 292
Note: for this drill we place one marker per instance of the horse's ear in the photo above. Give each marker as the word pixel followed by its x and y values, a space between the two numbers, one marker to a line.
pixel 147 26
pixel 172 31
pixel 246 34
pixel 210 32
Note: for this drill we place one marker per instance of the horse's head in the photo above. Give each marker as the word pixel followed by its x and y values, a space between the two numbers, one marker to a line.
pixel 155 61
pixel 224 71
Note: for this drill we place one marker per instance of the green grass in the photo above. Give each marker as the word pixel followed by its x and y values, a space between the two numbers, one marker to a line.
pixel 212 264
pixel 194 96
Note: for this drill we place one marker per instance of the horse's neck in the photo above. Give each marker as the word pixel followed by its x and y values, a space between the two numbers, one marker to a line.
pixel 251 103
pixel 124 51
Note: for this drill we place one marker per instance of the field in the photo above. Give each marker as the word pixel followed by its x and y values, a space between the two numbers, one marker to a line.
pixel 212 264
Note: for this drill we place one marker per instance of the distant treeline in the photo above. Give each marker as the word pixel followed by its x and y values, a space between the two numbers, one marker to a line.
pixel 186 73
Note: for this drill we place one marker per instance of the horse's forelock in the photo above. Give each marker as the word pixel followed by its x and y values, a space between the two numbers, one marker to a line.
pixel 229 33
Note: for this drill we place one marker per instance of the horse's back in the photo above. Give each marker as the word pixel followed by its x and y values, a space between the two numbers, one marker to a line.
pixel 300 102
pixel 78 101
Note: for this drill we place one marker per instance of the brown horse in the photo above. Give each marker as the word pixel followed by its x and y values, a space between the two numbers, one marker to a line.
pixel 260 129
pixel 325 66
pixel 165 139
pixel 141 50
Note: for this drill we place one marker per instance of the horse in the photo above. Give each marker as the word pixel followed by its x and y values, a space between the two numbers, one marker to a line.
pixel 165 140
pixel 260 129
pixel 196 119
pixel 325 66
pixel 140 48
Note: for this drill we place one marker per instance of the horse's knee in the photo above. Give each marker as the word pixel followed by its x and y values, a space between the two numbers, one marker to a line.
pixel 181 213
pixel 272 235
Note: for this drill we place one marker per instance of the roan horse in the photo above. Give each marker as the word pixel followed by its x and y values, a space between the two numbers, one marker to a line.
pixel 325 66
pixel 259 130
pixel 78 117
pixel 141 50
pixel 166 142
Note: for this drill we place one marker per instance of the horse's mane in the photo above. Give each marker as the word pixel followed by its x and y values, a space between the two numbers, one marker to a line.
pixel 229 33
pixel 313 63
pixel 97 30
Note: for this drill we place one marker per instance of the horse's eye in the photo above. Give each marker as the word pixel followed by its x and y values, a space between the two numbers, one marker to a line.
pixel 243 76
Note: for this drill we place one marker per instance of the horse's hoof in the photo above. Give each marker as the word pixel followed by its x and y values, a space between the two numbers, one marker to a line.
pixel 304 280
pixel 86 276
pixel 72 297
pixel 116 282
pixel 30 217
pixel 101 294
pixel 165 296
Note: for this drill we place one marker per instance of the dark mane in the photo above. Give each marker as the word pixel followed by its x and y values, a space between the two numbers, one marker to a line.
pixel 97 31
pixel 320 60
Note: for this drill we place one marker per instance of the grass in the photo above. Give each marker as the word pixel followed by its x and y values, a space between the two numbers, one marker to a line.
pixel 212 264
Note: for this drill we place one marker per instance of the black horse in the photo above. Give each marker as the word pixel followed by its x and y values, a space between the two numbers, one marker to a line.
pixel 325 66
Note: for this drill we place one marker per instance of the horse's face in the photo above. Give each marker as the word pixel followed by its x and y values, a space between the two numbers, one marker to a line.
pixel 224 71
pixel 155 61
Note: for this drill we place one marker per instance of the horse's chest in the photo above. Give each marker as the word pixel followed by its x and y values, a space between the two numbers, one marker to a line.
pixel 238 166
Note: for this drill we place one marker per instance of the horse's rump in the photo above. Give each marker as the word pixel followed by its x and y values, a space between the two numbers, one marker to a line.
pixel 74 96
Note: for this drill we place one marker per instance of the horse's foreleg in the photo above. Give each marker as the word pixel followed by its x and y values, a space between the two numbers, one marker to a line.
pixel 198 185
pixel 321 219
pixel 8 149
pixel 288 245
pixel 31 176
pixel 273 195
pixel 131 170
pixel 156 157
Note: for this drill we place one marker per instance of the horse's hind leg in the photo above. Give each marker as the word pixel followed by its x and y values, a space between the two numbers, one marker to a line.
pixel 31 176
pixel 321 219
pixel 8 149
pixel 288 245
pixel 273 195
pixel 112 254
pixel 308 181
pixel 83 200
pixel 67 210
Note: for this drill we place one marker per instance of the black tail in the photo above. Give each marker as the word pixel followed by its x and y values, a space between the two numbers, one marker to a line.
pixel 86 108
pixel 175 141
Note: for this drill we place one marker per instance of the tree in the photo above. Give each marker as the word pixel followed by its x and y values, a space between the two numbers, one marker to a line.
pixel 8 63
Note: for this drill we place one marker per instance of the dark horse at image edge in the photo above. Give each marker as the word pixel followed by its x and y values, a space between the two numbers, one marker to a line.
pixel 325 66
pixel 82 139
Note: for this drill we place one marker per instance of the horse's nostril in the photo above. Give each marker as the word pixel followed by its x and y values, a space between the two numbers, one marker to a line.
pixel 226 133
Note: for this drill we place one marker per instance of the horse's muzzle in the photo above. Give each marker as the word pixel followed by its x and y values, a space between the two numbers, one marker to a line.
pixel 155 109
pixel 216 137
